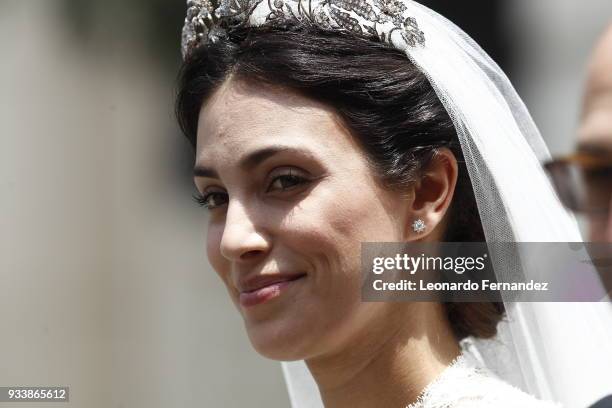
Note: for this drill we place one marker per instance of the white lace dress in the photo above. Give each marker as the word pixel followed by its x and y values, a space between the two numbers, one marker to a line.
pixel 468 384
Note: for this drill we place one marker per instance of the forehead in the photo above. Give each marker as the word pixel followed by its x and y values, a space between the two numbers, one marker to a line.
pixel 241 117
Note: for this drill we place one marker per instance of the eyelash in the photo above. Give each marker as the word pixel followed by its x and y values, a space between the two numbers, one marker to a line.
pixel 204 199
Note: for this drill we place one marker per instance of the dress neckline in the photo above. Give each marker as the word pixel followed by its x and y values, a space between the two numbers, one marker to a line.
pixel 458 366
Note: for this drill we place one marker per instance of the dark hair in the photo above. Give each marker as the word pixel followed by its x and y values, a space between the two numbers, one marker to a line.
pixel 384 101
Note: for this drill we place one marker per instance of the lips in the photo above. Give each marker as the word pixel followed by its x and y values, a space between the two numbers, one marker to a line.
pixel 261 288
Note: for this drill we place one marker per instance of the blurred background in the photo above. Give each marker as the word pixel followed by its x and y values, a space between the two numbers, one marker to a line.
pixel 104 282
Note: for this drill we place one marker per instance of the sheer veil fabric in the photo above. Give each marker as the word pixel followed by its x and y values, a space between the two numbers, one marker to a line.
pixel 554 351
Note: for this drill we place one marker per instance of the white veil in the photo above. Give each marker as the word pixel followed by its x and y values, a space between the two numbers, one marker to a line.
pixel 557 351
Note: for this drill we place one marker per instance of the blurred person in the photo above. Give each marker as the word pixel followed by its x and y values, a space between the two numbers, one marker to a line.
pixel 321 125
pixel 583 179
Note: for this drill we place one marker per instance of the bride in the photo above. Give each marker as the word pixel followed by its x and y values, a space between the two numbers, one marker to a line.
pixel 321 125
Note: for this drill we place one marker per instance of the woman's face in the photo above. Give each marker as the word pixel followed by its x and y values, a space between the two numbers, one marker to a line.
pixel 291 199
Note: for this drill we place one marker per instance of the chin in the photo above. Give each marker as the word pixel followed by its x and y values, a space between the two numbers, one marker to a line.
pixel 282 341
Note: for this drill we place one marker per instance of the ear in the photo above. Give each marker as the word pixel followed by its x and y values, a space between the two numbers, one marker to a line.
pixel 433 194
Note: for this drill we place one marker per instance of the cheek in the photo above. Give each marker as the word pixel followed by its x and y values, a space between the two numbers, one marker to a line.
pixel 329 229
pixel 359 216
pixel 328 232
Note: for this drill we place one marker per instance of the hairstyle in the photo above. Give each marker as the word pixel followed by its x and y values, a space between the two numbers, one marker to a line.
pixel 381 98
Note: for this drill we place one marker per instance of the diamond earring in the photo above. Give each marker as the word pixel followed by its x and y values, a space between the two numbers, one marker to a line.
pixel 418 225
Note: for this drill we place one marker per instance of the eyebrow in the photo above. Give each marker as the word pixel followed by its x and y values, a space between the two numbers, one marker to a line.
pixel 249 162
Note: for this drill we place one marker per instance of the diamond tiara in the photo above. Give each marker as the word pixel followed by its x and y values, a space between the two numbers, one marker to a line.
pixel 209 20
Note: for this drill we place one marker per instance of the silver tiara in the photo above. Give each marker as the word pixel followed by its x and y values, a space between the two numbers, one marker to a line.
pixel 209 20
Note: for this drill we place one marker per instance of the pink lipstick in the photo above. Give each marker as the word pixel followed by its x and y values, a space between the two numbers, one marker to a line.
pixel 262 288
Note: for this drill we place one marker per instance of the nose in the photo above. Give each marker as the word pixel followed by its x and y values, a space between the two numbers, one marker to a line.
pixel 241 239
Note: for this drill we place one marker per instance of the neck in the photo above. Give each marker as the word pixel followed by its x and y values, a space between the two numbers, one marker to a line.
pixel 388 365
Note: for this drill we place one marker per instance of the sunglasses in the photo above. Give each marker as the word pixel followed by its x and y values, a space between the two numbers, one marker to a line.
pixel 583 181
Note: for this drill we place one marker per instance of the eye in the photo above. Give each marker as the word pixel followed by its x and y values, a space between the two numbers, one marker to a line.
pixel 286 181
pixel 211 200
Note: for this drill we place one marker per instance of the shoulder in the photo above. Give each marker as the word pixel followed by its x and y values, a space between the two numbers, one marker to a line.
pixel 489 391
